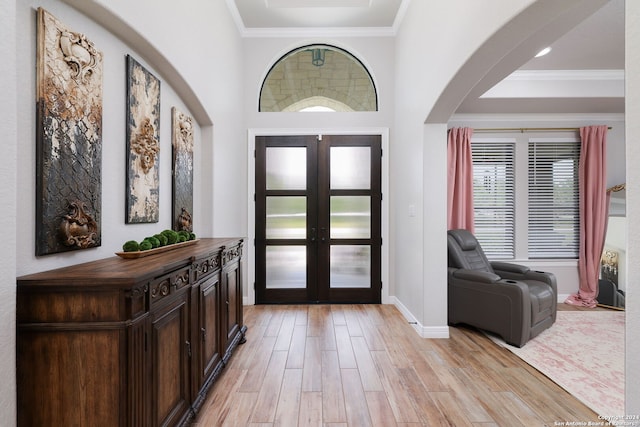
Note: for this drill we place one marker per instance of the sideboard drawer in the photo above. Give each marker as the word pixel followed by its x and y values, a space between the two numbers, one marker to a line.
pixel 205 267
pixel 169 283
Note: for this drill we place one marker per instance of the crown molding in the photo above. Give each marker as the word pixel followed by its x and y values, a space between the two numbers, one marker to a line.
pixel 544 118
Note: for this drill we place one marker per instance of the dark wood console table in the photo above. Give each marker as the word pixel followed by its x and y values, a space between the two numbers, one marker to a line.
pixel 128 342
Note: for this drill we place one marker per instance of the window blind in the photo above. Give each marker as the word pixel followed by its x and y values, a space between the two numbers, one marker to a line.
pixel 494 197
pixel 554 220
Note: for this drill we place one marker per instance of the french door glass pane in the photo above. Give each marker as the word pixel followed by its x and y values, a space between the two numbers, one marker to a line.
pixel 286 217
pixel 350 217
pixel 350 168
pixel 350 266
pixel 286 267
pixel 286 168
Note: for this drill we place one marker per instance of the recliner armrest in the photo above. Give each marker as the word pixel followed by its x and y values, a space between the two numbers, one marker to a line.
pixel 476 276
pixel 542 276
pixel 509 267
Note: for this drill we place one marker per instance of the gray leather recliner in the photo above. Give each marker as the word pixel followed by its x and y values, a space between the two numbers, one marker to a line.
pixel 507 299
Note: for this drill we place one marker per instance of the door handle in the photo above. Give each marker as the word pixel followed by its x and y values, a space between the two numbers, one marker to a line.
pixel 322 234
pixel 313 235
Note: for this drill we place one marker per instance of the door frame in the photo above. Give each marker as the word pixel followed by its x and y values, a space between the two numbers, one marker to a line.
pixel 250 296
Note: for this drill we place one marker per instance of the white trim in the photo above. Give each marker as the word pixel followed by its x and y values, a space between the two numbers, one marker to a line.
pixel 402 11
pixel 304 32
pixel 552 140
pixel 485 139
pixel 544 118
pixel 554 75
pixel 537 262
pixel 439 332
pixel 423 331
pixel 562 298
pixel 235 14
pixel 251 179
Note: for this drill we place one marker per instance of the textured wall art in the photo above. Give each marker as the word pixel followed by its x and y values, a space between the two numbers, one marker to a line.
pixel 68 139
pixel 143 144
pixel 182 202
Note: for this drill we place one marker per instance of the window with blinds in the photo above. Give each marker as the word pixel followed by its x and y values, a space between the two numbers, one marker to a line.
pixel 494 197
pixel 554 220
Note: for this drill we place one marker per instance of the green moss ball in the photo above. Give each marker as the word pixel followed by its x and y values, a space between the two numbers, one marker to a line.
pixel 131 246
pixel 155 243
pixel 192 236
pixel 172 236
pixel 161 238
pixel 145 245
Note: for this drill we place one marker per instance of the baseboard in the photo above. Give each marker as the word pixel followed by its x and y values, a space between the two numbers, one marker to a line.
pixel 562 298
pixel 423 331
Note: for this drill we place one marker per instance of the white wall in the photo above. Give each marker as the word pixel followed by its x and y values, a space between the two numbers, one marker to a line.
pixel 434 41
pixel 216 149
pixel 198 43
pixel 8 195
pixel 114 231
pixel 632 108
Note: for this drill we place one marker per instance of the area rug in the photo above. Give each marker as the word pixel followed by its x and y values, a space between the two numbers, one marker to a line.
pixel 583 352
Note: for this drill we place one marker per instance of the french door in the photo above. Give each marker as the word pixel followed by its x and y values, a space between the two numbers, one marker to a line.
pixel 318 219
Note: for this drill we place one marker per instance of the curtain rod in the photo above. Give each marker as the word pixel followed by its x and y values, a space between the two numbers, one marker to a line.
pixel 522 130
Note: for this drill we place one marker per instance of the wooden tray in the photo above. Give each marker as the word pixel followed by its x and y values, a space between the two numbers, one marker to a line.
pixel 154 251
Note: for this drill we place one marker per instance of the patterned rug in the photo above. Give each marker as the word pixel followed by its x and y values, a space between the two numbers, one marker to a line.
pixel 583 352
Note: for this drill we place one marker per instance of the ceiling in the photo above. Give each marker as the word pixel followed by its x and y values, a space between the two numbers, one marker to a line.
pixel 583 73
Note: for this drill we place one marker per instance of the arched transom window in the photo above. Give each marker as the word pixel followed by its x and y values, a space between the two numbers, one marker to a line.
pixel 318 78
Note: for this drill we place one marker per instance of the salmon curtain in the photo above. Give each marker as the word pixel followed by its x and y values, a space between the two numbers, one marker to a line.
pixel 593 212
pixel 460 179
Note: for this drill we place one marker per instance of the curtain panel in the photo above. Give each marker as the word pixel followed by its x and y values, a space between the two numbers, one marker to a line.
pixel 459 179
pixel 593 212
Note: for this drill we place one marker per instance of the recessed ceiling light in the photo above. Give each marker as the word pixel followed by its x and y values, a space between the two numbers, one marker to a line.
pixel 543 52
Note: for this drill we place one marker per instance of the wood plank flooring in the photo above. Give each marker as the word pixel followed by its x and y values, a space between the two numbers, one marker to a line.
pixel 364 365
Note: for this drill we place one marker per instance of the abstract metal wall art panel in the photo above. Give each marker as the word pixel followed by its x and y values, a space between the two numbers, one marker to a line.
pixel 68 139
pixel 143 144
pixel 182 142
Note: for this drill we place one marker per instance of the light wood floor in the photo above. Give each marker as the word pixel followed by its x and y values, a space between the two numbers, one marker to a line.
pixel 364 365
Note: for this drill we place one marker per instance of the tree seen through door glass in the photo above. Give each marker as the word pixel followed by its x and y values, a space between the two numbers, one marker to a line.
pixel 286 217
pixel 350 217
